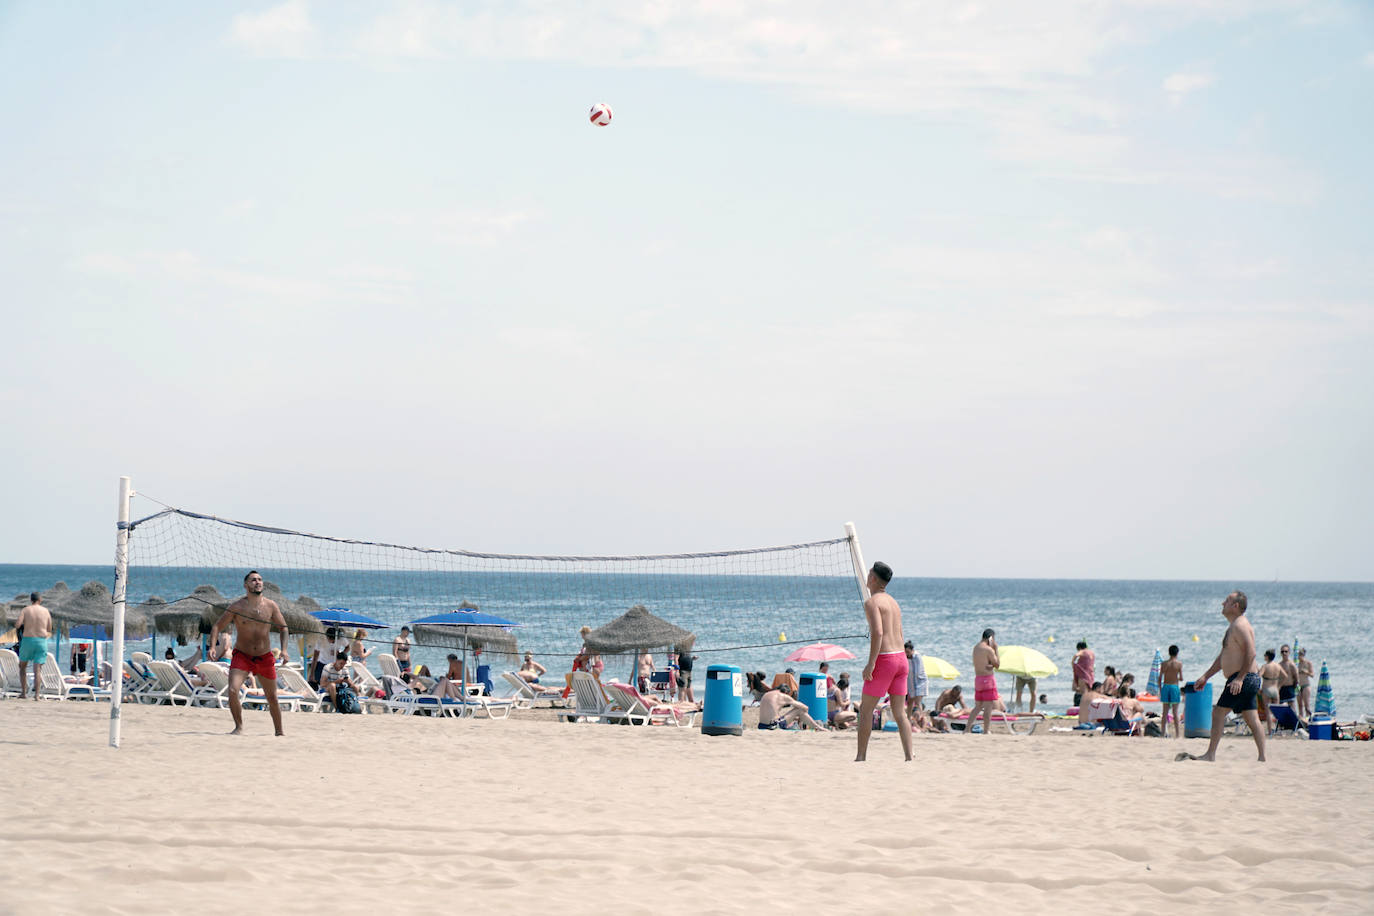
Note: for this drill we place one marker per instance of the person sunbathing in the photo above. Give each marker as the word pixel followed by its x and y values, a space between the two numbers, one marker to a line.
pixel 1085 702
pixel 779 709
pixel 450 686
pixel 531 671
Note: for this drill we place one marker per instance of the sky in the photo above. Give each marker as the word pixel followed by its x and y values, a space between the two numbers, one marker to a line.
pixel 1053 289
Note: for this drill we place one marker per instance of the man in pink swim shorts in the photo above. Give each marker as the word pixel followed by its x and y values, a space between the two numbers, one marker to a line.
pixel 885 673
pixel 985 662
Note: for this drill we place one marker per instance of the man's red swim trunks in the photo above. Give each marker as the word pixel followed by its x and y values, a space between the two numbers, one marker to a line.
pixel 261 665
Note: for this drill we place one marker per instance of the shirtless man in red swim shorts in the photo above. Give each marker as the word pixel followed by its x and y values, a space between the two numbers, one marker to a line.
pixel 253 617
pixel 886 671
pixel 985 662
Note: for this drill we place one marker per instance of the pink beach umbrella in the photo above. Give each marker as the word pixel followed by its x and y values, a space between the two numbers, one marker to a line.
pixel 820 652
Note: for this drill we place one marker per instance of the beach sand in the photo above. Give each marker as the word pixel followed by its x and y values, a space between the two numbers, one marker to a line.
pixel 393 813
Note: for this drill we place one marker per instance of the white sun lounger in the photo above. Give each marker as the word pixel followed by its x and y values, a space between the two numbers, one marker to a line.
pixel 9 673
pixel 592 703
pixel 640 709
pixel 55 686
pixel 527 695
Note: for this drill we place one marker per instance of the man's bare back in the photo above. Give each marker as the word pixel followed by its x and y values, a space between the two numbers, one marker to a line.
pixel 35 620
pixel 1171 672
pixel 889 614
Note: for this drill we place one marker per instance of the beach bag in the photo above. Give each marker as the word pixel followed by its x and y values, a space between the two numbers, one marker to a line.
pixel 1153 729
pixel 348 701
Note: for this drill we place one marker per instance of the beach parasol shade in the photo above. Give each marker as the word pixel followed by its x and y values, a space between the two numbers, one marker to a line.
pixel 49 599
pixel 476 629
pixel 1023 661
pixel 93 605
pixel 637 630
pixel 343 617
pixel 1152 686
pixel 299 613
pixel 937 669
pixel 1326 702
pixel 186 618
pixel 820 652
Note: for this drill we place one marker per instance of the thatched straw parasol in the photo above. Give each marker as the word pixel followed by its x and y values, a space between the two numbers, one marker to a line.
pixel 93 605
pixel 49 599
pixel 186 618
pixel 638 631
pixel 297 613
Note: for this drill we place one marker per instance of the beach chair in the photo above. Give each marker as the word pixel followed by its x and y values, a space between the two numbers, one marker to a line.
pixel 1118 724
pixel 591 702
pixel 293 682
pixel 1286 720
pixel 55 686
pixel 172 687
pixel 9 673
pixel 526 695
pixel 640 709
pixel 390 667
pixel 217 690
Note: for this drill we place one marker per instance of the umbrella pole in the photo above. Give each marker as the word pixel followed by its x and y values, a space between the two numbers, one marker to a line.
pixel 465 672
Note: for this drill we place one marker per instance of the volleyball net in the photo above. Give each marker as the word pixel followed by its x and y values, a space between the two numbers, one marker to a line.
pixel 729 599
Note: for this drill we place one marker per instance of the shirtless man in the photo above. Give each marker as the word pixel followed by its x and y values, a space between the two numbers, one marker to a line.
pixel 985 662
pixel 400 647
pixel 1288 683
pixel 1171 691
pixel 1235 661
pixel 1305 674
pixel 253 618
pixel 779 709
pixel 886 670
pixel 36 623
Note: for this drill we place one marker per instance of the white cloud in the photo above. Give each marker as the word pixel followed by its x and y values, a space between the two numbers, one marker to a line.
pixel 1179 85
pixel 282 31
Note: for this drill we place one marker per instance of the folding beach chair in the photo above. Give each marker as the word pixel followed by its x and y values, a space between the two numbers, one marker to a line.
pixel 56 686
pixel 640 709
pixel 9 673
pixel 591 702
pixel 1285 719
pixel 527 695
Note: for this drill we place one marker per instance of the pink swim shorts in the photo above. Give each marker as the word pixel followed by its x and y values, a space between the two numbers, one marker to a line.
pixel 889 676
pixel 985 688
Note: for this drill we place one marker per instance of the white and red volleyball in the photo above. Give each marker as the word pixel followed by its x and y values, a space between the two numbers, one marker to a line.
pixel 601 114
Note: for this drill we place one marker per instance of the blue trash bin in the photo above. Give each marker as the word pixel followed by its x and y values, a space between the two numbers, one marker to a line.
pixel 812 692
pixel 722 712
pixel 1197 711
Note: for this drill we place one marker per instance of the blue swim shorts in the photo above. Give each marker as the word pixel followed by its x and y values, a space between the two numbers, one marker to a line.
pixel 1170 693
pixel 33 649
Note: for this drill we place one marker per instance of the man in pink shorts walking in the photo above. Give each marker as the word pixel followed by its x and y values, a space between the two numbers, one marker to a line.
pixel 985 662
pixel 885 673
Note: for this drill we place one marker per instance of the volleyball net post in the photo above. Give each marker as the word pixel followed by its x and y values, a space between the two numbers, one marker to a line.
pixel 121 578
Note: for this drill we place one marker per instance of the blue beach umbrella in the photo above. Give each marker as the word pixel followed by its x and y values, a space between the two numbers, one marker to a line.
pixel 343 617
pixel 1152 687
pixel 462 618
pixel 1326 703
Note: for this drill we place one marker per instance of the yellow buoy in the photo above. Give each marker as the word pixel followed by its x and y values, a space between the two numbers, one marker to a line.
pixel 1194 637
pixel 1051 639
pixel 782 637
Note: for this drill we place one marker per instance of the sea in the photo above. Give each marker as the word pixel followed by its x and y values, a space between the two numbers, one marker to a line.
pixel 740 620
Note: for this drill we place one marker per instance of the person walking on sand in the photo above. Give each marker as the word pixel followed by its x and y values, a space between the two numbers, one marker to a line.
pixel 253 618
pixel 1084 667
pixel 36 624
pixel 1236 661
pixel 1171 692
pixel 985 662
pixel 886 671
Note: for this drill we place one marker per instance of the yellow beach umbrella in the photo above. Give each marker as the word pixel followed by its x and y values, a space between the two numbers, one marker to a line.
pixel 937 669
pixel 1024 661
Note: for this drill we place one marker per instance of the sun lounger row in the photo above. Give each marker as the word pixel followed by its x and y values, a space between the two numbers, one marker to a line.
pixel 620 703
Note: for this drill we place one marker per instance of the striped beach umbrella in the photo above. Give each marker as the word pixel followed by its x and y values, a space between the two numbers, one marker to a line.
pixel 1152 687
pixel 1326 704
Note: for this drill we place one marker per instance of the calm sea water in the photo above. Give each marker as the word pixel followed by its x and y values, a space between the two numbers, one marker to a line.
pixel 739 619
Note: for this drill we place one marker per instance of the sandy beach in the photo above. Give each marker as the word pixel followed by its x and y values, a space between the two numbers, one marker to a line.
pixel 395 813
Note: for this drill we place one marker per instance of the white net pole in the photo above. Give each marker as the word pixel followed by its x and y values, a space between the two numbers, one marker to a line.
pixel 121 577
pixel 857 556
